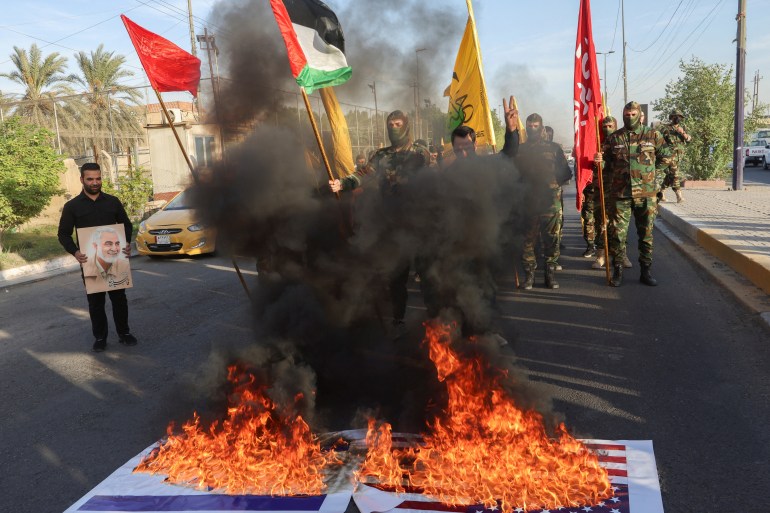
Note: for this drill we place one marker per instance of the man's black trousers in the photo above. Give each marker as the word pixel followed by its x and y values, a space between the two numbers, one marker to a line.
pixel 96 303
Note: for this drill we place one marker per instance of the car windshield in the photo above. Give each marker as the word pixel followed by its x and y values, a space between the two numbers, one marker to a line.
pixel 180 202
pixel 757 143
pixel 763 134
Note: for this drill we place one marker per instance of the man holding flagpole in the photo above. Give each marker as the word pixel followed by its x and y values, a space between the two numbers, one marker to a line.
pixel 637 158
pixel 390 170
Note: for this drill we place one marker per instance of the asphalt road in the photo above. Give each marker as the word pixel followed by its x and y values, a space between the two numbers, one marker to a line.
pixel 681 364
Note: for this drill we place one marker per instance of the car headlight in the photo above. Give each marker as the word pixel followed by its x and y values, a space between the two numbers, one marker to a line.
pixel 196 227
pixel 142 227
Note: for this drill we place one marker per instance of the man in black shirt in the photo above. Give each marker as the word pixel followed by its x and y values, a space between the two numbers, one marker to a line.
pixel 92 207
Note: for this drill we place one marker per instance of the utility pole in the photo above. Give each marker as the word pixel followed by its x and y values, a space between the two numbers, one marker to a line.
pixel 417 95
pixel 625 73
pixel 212 45
pixel 192 28
pixel 373 87
pixel 755 96
pixel 740 73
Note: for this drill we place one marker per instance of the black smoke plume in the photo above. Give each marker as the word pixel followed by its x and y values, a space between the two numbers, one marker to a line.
pixel 322 310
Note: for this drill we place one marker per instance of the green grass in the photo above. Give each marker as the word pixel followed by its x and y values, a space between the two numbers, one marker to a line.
pixel 31 245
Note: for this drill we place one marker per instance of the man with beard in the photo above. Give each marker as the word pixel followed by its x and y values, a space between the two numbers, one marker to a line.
pixel 390 170
pixel 105 268
pixel 544 170
pixel 92 207
pixel 676 137
pixel 460 278
pixel 636 158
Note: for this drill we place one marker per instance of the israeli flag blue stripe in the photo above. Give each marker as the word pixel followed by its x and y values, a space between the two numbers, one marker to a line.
pixel 202 503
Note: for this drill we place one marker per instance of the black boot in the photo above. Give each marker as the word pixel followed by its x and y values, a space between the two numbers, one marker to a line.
pixel 646 277
pixel 550 277
pixel 590 251
pixel 617 275
pixel 529 277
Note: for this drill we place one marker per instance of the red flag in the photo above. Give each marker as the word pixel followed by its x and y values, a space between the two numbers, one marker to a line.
pixel 588 101
pixel 168 67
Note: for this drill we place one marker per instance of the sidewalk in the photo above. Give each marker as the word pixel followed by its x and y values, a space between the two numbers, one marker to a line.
pixel 733 226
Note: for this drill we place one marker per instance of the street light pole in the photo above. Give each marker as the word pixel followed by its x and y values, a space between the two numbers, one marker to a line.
pixel 417 95
pixel 605 54
pixel 625 73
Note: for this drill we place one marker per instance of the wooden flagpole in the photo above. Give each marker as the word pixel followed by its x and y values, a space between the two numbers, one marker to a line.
pixel 604 212
pixel 318 137
pixel 195 176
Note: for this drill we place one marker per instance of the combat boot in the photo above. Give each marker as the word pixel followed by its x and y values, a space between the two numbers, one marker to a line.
pixel 599 262
pixel 529 277
pixel 646 277
pixel 626 262
pixel 550 277
pixel 617 275
pixel 679 197
pixel 590 251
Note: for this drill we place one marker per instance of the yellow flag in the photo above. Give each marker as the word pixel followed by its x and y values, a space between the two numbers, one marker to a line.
pixel 468 103
pixel 343 151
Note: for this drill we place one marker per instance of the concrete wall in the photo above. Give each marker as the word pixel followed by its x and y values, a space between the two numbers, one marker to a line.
pixel 70 182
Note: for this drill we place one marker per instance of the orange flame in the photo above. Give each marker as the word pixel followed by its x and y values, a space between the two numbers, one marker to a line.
pixel 257 450
pixel 485 449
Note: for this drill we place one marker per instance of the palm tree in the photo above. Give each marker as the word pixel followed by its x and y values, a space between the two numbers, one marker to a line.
pixel 43 78
pixel 106 107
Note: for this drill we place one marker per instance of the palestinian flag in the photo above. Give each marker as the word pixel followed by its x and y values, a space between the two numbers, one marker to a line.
pixel 314 41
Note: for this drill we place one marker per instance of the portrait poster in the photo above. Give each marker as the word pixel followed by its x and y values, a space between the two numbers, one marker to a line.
pixel 107 267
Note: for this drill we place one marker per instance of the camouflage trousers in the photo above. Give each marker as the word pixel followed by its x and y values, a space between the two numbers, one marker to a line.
pixel 672 178
pixel 548 226
pixel 644 211
pixel 591 215
pixel 588 215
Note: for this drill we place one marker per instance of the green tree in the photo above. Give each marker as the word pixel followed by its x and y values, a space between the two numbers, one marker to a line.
pixel 133 189
pixel 44 79
pixel 105 111
pixel 499 127
pixel 29 172
pixel 705 93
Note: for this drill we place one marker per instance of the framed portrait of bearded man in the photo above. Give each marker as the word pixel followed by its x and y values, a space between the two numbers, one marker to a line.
pixel 107 267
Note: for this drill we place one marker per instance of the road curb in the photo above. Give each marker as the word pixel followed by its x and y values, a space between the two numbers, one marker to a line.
pixel 741 263
pixel 740 286
pixel 43 269
pixel 38 270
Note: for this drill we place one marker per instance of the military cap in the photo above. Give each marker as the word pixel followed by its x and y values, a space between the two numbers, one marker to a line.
pixel 609 119
pixel 676 112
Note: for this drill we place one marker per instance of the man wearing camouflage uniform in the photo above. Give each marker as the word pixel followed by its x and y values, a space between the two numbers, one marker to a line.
pixel 676 137
pixel 591 211
pixel 636 158
pixel 390 170
pixel 542 163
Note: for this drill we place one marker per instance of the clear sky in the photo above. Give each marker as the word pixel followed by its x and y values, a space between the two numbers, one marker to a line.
pixel 527 45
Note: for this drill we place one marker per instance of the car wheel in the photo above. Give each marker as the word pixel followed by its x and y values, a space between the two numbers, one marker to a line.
pixel 764 163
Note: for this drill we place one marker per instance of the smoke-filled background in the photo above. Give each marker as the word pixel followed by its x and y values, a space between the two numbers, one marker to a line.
pixel 321 305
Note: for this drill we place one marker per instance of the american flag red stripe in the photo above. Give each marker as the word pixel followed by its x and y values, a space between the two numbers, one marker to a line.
pixel 606 447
